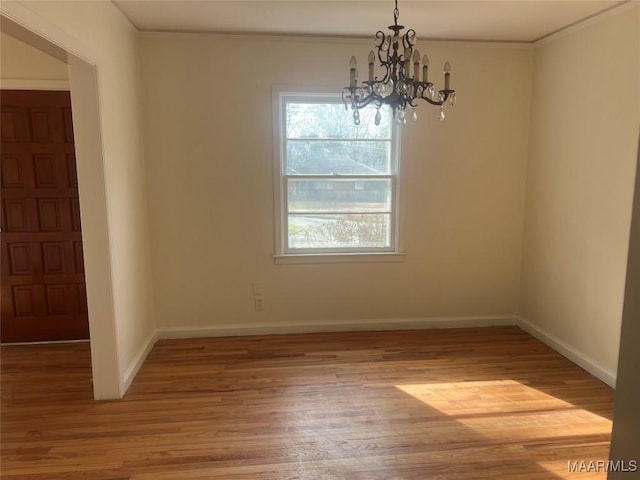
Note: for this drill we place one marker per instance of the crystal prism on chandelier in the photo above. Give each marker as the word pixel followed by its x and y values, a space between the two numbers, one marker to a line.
pixel 401 85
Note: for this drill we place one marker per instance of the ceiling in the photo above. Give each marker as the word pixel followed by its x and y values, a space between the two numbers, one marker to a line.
pixel 480 20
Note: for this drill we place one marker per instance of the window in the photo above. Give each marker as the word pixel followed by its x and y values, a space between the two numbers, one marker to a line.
pixel 336 182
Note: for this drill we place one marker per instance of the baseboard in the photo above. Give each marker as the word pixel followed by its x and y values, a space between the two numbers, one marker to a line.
pixel 334 326
pixel 566 350
pixel 139 359
pixel 228 330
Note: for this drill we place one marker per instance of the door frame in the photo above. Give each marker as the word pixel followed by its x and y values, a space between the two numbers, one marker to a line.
pixel 31 29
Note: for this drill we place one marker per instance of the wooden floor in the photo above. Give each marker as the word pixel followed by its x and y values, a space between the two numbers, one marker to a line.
pixel 490 403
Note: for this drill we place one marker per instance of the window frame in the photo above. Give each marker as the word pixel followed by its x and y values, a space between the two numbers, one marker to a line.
pixel 284 253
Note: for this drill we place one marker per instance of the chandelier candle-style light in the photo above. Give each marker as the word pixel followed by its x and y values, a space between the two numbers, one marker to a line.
pixel 400 85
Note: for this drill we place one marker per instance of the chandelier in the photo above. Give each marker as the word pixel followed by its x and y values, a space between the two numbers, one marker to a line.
pixel 400 86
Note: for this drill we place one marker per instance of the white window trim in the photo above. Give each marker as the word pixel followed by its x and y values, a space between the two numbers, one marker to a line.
pixel 395 253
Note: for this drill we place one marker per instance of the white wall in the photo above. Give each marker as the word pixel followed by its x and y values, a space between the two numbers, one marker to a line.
pixel 208 133
pixel 582 159
pixel 99 33
pixel 209 232
pixel 23 64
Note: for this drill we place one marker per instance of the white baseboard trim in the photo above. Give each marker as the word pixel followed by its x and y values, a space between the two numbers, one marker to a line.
pixel 334 326
pixel 230 330
pixel 137 362
pixel 566 350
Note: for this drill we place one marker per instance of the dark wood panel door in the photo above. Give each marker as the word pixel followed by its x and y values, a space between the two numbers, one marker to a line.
pixel 43 285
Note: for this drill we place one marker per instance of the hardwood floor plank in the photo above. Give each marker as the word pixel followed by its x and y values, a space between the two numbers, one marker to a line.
pixel 463 404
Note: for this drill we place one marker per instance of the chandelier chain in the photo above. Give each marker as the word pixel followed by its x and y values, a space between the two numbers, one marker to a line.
pixel 396 14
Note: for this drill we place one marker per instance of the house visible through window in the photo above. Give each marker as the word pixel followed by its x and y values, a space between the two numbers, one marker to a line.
pixel 337 180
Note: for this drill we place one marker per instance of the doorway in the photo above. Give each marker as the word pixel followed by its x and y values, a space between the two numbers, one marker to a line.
pixel 37 32
pixel 43 283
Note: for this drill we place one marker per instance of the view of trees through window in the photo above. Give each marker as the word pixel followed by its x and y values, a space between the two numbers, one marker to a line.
pixel 339 177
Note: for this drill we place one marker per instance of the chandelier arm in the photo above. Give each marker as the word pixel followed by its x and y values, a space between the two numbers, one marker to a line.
pixel 387 73
pixel 392 100
pixel 408 39
pixel 382 60
pixel 360 104
pixel 432 102
pixel 445 94
pixel 380 36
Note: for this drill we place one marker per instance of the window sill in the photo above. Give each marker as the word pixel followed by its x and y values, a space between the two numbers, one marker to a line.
pixel 339 258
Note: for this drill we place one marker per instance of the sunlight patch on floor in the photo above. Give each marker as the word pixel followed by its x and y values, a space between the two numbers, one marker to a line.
pixel 509 409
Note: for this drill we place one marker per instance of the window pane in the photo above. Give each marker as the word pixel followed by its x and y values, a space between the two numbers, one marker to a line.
pixel 338 177
pixel 348 157
pixel 332 120
pixel 340 231
pixel 340 195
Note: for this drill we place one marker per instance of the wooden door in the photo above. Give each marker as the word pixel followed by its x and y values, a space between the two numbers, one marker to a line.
pixel 43 286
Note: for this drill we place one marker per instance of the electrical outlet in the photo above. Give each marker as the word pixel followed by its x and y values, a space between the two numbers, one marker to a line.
pixel 258 302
